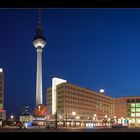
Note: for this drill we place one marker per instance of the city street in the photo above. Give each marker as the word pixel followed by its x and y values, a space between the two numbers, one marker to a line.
pixel 71 130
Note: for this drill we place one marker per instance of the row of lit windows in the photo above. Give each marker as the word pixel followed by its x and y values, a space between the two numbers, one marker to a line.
pixel 80 99
pixel 75 107
pixel 83 100
pixel 135 114
pixel 83 103
pixel 74 103
pixel 93 96
pixel 77 112
pixel 135 105
pixel 83 91
pixel 86 105
pixel 77 98
pixel 135 109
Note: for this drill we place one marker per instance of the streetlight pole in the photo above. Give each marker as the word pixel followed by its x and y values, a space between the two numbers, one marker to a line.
pixel 122 120
pixel 95 118
pixel 12 117
pixel 106 120
pixel 73 113
pixel 115 119
pixel 56 120
pixel 66 120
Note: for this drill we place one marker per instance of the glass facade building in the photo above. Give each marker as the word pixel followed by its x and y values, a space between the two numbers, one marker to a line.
pixel 129 109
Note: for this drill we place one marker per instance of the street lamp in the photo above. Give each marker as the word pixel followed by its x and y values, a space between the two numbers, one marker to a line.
pixel 94 118
pixel 77 117
pixel 66 119
pixel 73 114
pixel 122 120
pixel 12 117
pixel 128 121
pixel 39 107
pixel 95 115
pixel 106 120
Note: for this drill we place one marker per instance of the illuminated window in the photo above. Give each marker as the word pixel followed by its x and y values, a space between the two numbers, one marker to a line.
pixel 137 114
pixel 132 114
pixel 132 105
pixel 137 109
pixel 132 109
pixel 138 105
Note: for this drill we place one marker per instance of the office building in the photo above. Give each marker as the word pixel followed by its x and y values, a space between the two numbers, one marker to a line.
pixel 80 103
pixel 127 110
pixel 2 111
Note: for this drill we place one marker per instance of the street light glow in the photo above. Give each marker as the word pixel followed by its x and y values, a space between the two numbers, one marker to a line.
pixel 77 117
pixel 73 113
pixel 12 116
pixel 95 115
pixel 102 90
pixel 114 117
pixel 1 70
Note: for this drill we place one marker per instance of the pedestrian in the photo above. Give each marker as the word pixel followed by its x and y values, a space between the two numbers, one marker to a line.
pixel 25 125
pixel 20 125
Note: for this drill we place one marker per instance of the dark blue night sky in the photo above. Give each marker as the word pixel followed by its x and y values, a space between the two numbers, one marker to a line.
pixel 91 48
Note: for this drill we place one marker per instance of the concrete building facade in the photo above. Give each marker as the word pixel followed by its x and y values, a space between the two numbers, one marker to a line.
pixel 74 102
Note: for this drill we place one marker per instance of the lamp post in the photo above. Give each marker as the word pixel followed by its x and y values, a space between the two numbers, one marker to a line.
pixel 77 118
pixel 66 120
pixel 73 114
pixel 95 115
pixel 56 120
pixel 39 107
pixel 12 117
pixel 128 122
pixel 122 120
pixel 106 120
pixel 115 119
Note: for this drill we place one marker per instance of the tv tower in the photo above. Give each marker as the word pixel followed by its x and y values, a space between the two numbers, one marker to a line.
pixel 39 42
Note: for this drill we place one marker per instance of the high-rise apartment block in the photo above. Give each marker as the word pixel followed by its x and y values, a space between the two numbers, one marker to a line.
pixel 2 111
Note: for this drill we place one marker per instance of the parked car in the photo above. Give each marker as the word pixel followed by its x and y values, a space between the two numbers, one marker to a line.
pixel 50 125
pixel 119 126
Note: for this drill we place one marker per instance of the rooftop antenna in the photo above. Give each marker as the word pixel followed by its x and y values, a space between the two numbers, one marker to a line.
pixel 39 27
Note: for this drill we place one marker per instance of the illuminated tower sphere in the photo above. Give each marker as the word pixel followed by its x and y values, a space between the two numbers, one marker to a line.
pixel 39 42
